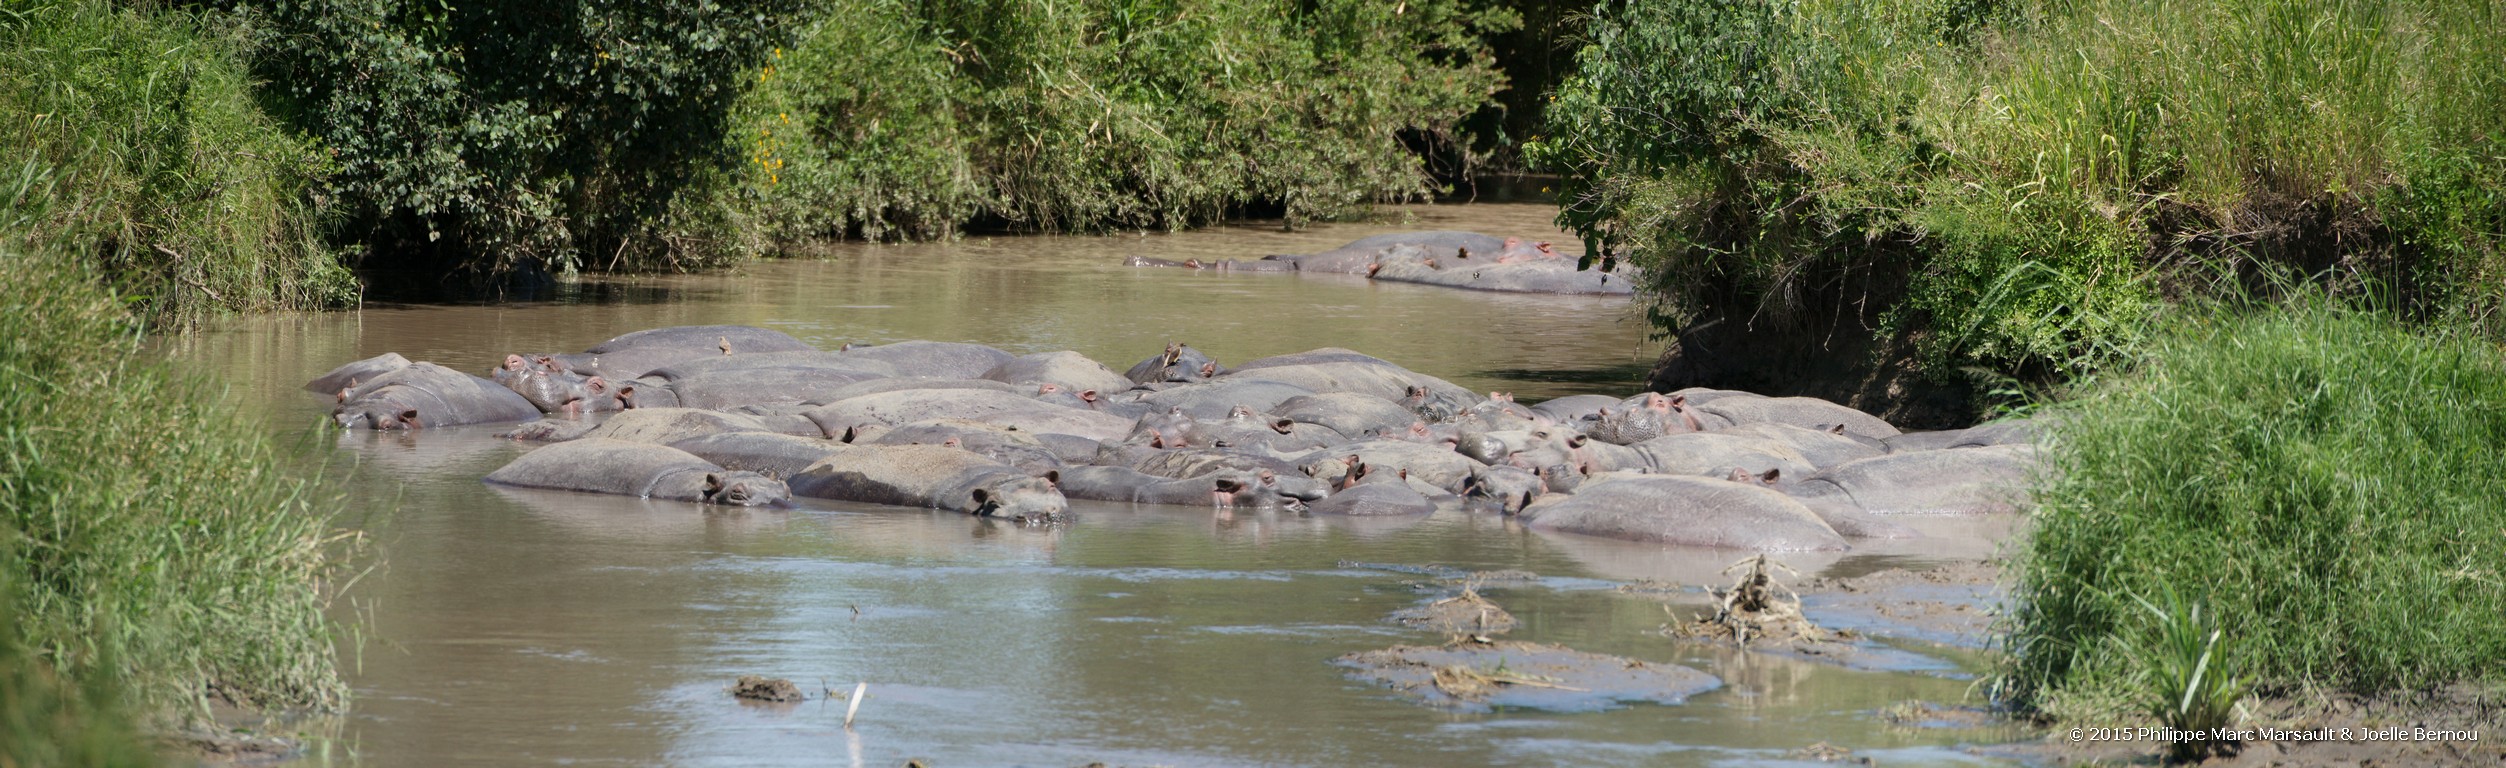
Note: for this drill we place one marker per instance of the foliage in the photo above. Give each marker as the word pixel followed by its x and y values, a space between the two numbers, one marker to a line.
pixel 502 139
pixel 48 721
pixel 154 542
pixel 2193 685
pixel 134 142
pixel 912 118
pixel 2324 480
pixel 2018 183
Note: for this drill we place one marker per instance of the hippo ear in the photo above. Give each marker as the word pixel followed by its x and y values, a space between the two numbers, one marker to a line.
pixel 410 417
pixel 626 398
pixel 848 435
pixel 1157 439
pixel 1527 497
pixel 713 485
pixel 1053 477
pixel 1047 388
pixel 1225 485
pixel 982 497
pixel 596 384
pixel 1087 395
pixel 1578 441
pixel 1770 476
pixel 1283 426
pixel 1208 370
pixel 343 396
pixel 1836 430
pixel 1678 401
pixel 1470 483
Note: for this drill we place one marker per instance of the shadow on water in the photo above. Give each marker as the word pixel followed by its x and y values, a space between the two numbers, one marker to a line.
pixel 526 627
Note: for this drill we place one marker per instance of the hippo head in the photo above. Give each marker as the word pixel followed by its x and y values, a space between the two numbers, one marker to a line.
pixel 1561 478
pixel 1266 489
pixel 745 489
pixel 1024 499
pixel 1510 489
pixel 1767 478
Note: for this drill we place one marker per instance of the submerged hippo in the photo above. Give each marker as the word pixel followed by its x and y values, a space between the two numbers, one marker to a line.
pixel 1692 511
pixel 644 470
pixel 933 477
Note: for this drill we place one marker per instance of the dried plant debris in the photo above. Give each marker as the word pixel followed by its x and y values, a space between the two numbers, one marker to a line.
pixel 1827 753
pixel 1467 615
pixel 1754 609
pixel 768 689
pixel 1476 676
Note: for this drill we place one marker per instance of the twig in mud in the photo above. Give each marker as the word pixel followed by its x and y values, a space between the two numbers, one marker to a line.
pixel 1755 607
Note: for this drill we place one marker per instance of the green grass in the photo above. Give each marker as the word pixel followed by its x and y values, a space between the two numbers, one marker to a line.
pixel 156 540
pixel 891 119
pixel 48 721
pixel 2015 185
pixel 2326 482
pixel 134 142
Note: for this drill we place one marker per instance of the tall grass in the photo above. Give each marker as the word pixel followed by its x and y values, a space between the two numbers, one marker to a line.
pixel 48 721
pixel 2014 184
pixel 133 142
pixel 156 539
pixel 2327 482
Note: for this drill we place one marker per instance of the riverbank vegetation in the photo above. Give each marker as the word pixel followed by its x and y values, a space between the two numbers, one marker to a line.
pixel 915 119
pixel 2323 480
pixel 2014 186
pixel 156 547
pixel 135 144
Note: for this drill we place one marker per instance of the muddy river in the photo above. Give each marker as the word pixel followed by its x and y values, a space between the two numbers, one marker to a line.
pixel 507 627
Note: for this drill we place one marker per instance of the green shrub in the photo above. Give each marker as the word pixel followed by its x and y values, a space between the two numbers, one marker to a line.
pixel 501 139
pixel 135 143
pixel 2017 184
pixel 155 539
pixel 910 119
pixel 2325 481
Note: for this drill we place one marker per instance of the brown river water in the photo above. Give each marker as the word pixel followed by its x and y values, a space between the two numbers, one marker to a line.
pixel 509 627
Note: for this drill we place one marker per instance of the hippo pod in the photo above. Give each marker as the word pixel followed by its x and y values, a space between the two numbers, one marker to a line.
pixel 643 470
pixel 933 477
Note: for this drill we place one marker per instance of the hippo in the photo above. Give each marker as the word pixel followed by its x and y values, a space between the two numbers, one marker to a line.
pixel 998 443
pixel 1356 257
pixel 663 426
pixel 1574 408
pixel 1219 397
pixel 1714 454
pixel 715 339
pixel 1507 488
pixel 1959 481
pixel 1066 371
pixel 1809 412
pixel 890 409
pixel 2009 432
pixel 934 477
pixel 1383 380
pixel 1312 356
pixel 1840 512
pixel 929 359
pixel 1374 499
pixel 765 453
pixel 1655 416
pixel 1226 489
pixel 1821 448
pixel 554 389
pixel 1689 511
pixel 348 376
pixel 645 470
pixel 425 395
pixel 1530 273
pixel 1348 413
pixel 1179 363
pixel 1433 464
